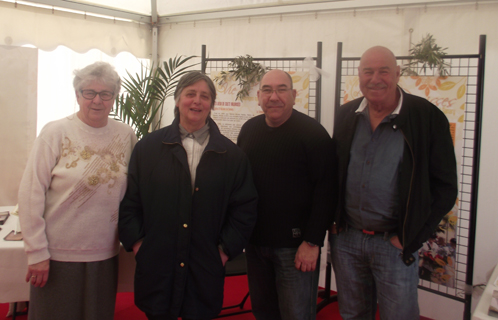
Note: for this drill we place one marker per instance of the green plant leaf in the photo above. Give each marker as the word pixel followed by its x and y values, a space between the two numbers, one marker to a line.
pixel 243 70
pixel 426 54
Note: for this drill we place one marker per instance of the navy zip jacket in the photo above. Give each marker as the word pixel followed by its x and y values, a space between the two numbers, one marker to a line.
pixel 179 271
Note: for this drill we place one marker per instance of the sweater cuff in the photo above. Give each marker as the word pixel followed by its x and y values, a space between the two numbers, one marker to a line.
pixel 38 256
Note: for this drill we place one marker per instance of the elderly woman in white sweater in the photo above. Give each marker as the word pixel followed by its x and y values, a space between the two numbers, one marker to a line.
pixel 69 198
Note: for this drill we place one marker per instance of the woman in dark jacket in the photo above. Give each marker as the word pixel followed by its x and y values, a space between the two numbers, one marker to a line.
pixel 190 206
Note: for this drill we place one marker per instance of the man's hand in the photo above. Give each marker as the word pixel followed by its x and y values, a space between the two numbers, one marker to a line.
pixel 395 242
pixel 306 257
pixel 38 273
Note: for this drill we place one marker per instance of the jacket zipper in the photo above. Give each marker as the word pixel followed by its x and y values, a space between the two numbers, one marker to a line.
pixel 411 185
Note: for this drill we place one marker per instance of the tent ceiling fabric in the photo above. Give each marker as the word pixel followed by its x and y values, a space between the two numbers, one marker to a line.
pixel 84 25
pixel 170 11
pixel 139 9
pixel 175 7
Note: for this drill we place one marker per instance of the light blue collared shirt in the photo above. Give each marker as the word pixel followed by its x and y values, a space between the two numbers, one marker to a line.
pixel 372 181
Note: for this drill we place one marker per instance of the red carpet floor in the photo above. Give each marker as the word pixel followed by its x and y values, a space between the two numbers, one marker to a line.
pixel 235 290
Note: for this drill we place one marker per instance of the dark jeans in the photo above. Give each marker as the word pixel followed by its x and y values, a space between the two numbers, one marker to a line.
pixel 278 290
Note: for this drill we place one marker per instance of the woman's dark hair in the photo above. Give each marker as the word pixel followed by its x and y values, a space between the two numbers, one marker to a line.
pixel 188 80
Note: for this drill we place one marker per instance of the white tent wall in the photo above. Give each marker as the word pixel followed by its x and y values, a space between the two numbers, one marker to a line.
pixel 454 26
pixel 47 29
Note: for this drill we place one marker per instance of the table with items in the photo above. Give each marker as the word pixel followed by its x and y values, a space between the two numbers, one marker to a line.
pixel 488 304
pixel 14 263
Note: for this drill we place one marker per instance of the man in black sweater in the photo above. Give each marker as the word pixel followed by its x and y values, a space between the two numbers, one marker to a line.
pixel 291 156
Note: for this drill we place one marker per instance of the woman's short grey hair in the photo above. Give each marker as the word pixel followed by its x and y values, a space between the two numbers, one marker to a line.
pixel 99 71
pixel 189 79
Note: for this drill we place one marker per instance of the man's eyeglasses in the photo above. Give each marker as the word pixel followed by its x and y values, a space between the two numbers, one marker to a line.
pixel 269 91
pixel 90 95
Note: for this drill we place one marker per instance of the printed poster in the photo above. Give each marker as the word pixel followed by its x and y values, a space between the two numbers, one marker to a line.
pixel 437 255
pixel 230 114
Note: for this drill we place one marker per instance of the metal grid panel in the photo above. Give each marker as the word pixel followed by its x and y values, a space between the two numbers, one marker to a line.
pixel 286 64
pixel 459 66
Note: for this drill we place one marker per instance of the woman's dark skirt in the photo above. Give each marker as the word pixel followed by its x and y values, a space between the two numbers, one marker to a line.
pixel 76 291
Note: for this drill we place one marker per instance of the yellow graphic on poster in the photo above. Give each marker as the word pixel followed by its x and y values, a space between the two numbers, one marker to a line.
pixel 230 114
pixel 437 255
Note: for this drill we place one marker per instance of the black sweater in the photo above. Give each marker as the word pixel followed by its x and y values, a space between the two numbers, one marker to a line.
pixel 293 172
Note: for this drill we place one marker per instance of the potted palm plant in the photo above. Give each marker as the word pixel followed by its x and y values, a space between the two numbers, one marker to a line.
pixel 141 104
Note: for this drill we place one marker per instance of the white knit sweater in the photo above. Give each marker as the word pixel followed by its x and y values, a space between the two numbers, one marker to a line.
pixel 70 192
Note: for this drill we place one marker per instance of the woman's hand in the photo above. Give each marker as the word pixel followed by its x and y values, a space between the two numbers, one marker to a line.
pixel 223 256
pixel 137 246
pixel 38 273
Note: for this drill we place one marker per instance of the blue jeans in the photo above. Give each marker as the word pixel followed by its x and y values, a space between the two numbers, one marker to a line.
pixel 278 290
pixel 368 269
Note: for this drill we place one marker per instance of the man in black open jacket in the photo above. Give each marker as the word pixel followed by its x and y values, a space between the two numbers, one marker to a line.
pixel 397 175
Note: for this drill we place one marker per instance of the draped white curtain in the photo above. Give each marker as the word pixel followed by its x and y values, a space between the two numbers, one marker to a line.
pixel 18 116
pixel 47 30
pixel 56 97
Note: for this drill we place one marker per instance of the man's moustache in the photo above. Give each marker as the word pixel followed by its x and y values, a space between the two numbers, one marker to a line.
pixel 377 87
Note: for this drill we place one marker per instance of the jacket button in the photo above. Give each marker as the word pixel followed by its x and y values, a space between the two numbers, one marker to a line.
pixel 185 225
pixel 197 189
pixel 182 264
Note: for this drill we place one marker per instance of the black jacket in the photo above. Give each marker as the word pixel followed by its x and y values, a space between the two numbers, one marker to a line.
pixel 179 270
pixel 427 181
